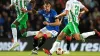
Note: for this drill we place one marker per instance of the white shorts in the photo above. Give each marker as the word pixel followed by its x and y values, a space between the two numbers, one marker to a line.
pixel 45 30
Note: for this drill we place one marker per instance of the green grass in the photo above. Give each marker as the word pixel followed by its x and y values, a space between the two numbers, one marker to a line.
pixel 40 53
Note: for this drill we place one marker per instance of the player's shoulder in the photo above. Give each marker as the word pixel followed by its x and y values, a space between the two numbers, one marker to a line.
pixel 53 10
pixel 80 3
pixel 69 1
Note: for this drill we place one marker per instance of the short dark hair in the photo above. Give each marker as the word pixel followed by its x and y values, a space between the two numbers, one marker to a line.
pixel 47 2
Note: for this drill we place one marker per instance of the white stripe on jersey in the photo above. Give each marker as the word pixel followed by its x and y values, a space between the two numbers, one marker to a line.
pixel 13 2
pixel 23 4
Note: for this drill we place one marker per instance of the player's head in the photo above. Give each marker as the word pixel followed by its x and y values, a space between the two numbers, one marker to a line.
pixel 47 6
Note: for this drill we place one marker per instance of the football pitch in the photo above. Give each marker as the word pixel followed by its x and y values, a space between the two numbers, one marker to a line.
pixel 40 53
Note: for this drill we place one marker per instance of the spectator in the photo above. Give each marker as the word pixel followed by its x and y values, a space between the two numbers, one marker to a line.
pixel 1 25
pixel 7 16
pixel 96 13
pixel 8 29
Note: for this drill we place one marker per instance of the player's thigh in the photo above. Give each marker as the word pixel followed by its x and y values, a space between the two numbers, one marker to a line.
pixel 44 30
pixel 75 30
pixel 23 26
pixel 39 34
pixel 22 18
pixel 51 33
pixel 61 35
pixel 67 30
pixel 16 23
pixel 76 36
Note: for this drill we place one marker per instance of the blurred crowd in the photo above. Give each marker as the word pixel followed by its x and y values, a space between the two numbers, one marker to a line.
pixel 88 21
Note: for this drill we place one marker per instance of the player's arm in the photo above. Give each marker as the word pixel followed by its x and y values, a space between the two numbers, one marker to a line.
pixel 66 11
pixel 12 4
pixel 61 14
pixel 84 9
pixel 56 23
pixel 32 10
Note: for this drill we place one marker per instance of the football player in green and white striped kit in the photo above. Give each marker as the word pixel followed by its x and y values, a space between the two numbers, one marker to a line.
pixel 72 11
pixel 21 21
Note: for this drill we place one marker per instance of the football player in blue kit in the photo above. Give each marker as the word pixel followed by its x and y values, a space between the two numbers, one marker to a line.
pixel 50 30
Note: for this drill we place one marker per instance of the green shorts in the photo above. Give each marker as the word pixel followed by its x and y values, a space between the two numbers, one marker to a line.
pixel 71 28
pixel 22 19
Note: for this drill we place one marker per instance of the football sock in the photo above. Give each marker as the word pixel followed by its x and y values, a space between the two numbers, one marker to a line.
pixel 55 46
pixel 14 33
pixel 68 45
pixel 31 33
pixel 35 42
pixel 64 48
pixel 68 40
pixel 87 34
pixel 43 40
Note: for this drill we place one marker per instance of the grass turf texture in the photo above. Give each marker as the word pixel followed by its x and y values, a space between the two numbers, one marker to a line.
pixel 41 53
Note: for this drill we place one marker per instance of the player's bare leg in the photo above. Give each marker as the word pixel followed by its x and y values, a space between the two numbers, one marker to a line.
pixel 56 44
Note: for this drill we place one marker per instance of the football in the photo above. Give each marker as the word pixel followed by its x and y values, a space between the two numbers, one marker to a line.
pixel 59 51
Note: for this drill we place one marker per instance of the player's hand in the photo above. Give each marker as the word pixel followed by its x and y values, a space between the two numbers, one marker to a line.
pixel 45 23
pixel 23 10
pixel 80 15
pixel 57 16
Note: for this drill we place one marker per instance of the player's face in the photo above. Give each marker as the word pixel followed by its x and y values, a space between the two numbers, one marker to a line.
pixel 47 7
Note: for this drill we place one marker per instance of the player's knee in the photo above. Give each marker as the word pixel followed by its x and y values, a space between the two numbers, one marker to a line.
pixel 68 38
pixel 59 37
pixel 13 25
pixel 39 35
pixel 45 36
pixel 78 38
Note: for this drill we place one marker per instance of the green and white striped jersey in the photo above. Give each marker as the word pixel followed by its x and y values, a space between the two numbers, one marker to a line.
pixel 73 6
pixel 20 4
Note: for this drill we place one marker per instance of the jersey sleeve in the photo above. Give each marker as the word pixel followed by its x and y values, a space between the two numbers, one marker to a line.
pixel 68 6
pixel 13 2
pixel 81 5
pixel 24 4
pixel 54 13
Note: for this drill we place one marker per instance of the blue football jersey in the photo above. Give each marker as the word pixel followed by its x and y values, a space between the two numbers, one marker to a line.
pixel 49 17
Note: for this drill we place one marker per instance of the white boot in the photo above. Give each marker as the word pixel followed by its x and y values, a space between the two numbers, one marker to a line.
pixel 16 44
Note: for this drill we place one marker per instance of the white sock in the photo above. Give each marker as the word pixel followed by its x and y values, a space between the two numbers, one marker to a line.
pixel 87 34
pixel 54 47
pixel 14 33
pixel 65 48
pixel 62 44
pixel 31 33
